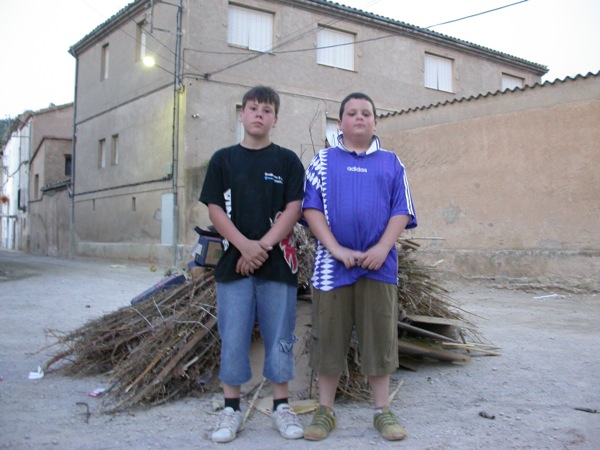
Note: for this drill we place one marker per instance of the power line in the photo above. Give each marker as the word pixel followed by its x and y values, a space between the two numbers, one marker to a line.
pixel 476 14
pixel 333 21
pixel 308 30
pixel 293 37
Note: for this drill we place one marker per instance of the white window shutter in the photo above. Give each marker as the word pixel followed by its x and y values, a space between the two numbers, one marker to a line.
pixel 438 73
pixel 510 82
pixel 332 132
pixel 250 29
pixel 335 48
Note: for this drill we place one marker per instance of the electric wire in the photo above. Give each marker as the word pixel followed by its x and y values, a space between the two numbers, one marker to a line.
pixel 333 21
pixel 277 47
pixel 475 15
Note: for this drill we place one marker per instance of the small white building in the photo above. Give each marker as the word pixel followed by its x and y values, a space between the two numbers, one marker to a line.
pixel 15 185
pixel 39 141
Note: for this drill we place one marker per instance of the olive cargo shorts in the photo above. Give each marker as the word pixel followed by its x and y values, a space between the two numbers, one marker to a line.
pixel 372 307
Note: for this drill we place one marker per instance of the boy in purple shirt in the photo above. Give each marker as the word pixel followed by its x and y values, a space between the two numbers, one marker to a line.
pixel 357 203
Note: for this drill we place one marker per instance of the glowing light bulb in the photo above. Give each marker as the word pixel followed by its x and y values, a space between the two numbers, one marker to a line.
pixel 149 61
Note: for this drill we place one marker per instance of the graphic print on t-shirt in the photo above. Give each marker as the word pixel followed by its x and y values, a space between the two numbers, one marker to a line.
pixel 288 247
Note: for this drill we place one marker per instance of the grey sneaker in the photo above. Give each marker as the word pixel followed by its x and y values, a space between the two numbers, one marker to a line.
pixel 228 425
pixel 286 421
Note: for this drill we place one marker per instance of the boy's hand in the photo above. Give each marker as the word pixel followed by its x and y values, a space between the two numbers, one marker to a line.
pixel 347 256
pixel 243 268
pixel 374 258
pixel 254 253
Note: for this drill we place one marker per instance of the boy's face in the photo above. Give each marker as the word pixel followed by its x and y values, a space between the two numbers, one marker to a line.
pixel 258 118
pixel 358 120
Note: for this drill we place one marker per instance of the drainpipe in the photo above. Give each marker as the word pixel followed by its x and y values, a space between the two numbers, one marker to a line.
pixel 21 234
pixel 71 188
pixel 27 228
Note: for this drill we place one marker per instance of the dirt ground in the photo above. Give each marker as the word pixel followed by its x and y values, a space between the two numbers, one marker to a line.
pixel 533 394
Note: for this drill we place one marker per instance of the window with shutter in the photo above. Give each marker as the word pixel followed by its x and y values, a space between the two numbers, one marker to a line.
pixel 511 82
pixel 438 73
pixel 335 48
pixel 251 29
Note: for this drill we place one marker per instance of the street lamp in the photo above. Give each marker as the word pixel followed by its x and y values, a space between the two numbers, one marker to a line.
pixel 149 61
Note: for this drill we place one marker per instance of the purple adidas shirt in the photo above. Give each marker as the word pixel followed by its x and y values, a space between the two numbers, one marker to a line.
pixel 358 194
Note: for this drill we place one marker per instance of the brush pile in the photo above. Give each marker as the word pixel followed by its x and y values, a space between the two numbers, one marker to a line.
pixel 167 346
pixel 155 350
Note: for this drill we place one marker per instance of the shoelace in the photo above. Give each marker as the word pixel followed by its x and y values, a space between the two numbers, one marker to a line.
pixel 226 420
pixel 288 417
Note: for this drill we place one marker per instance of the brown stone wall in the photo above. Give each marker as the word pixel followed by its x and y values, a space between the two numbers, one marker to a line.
pixel 49 220
pixel 50 209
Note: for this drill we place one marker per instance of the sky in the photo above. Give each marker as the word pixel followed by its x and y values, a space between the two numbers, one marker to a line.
pixel 37 69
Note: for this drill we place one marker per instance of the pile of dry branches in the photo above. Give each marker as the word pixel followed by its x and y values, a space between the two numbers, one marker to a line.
pixel 159 349
pixel 154 350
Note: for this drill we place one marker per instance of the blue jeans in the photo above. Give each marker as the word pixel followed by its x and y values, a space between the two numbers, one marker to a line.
pixel 240 304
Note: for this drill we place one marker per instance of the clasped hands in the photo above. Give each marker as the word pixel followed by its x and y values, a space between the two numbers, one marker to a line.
pixel 254 254
pixel 372 259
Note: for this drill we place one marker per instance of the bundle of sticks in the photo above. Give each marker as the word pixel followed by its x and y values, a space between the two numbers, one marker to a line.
pixel 167 345
pixel 156 350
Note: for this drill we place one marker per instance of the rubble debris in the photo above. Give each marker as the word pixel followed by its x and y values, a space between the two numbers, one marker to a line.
pixel 549 297
pixel 486 415
pixel 37 375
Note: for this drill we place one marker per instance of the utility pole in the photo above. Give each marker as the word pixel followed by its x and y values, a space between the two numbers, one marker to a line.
pixel 177 91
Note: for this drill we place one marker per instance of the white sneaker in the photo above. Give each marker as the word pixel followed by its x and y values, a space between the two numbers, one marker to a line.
pixel 228 425
pixel 286 421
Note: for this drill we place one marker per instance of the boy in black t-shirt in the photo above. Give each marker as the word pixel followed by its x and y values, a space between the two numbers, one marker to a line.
pixel 254 193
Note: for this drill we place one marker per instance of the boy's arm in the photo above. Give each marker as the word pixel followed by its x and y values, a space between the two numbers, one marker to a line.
pixel 284 224
pixel 253 252
pixel 319 227
pixel 279 231
pixel 374 257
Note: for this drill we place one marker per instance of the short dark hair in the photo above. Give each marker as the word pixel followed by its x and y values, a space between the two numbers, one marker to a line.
pixel 357 95
pixel 262 94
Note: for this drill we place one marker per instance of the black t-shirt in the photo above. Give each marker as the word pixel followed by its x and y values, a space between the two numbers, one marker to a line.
pixel 253 187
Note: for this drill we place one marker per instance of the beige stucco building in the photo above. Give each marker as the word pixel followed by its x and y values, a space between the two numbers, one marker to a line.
pixel 144 135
